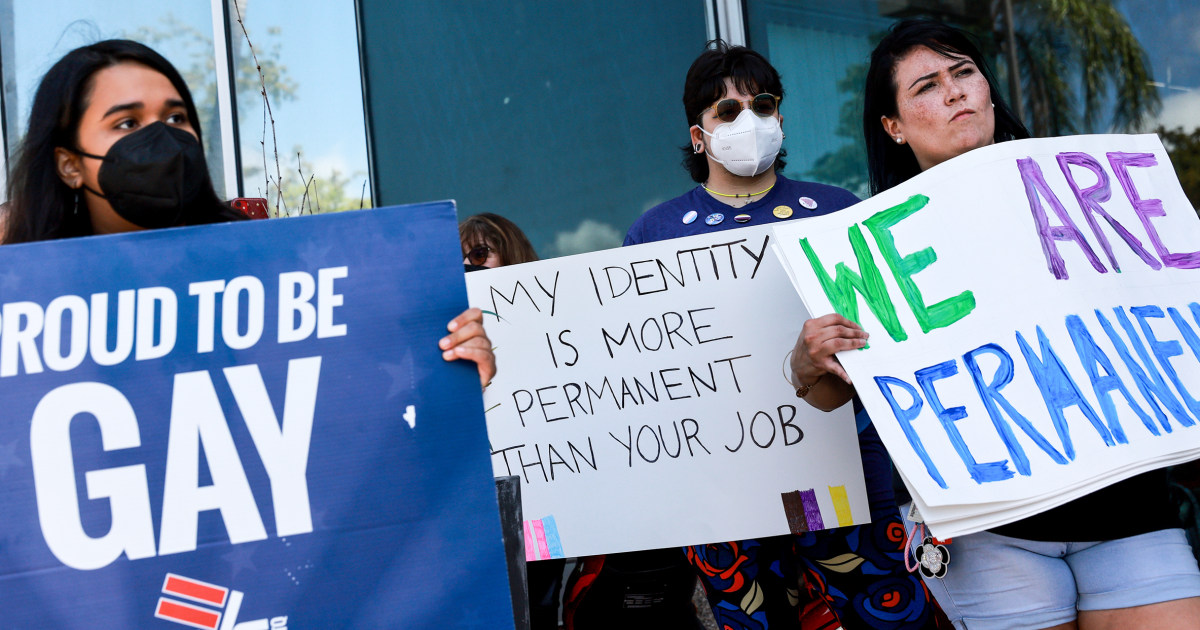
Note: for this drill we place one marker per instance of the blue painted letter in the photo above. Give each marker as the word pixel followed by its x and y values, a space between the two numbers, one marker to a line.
pixel 987 471
pixel 991 396
pixel 1059 391
pixel 905 417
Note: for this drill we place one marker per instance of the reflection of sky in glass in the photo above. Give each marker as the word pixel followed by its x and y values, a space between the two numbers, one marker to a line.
pixel 1169 30
pixel 45 30
pixel 316 44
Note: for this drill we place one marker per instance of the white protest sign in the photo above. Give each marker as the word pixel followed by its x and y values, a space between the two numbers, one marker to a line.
pixel 1033 316
pixel 643 399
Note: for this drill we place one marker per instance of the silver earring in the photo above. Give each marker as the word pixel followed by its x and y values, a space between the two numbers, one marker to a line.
pixel 697 149
pixel 76 202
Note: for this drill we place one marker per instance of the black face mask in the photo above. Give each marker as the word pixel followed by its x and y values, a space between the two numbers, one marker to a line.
pixel 152 175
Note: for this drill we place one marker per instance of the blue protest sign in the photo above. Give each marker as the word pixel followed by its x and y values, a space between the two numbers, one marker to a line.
pixel 245 426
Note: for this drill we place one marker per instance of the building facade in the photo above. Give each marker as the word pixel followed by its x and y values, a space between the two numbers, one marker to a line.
pixel 563 116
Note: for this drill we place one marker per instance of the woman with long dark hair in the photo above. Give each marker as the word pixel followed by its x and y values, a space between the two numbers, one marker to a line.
pixel 113 146
pixel 1112 559
pixel 55 189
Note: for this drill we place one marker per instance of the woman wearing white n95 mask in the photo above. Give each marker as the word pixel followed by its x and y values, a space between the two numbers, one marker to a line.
pixel 746 147
pixel 731 99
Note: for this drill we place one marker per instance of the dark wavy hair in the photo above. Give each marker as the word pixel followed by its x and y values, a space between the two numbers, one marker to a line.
pixel 705 84
pixel 42 207
pixel 889 163
pixel 495 231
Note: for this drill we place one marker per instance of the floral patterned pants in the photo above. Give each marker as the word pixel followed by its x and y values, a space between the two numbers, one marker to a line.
pixel 857 571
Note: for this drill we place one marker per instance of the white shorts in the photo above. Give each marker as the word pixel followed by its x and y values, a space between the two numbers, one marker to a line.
pixel 995 582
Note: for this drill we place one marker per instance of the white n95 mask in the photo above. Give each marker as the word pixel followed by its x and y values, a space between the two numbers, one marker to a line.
pixel 748 145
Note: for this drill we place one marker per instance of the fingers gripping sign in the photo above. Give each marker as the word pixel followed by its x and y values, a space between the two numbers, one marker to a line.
pixel 467 340
pixel 818 344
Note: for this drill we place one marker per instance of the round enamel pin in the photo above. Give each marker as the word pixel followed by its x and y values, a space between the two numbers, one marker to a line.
pixel 714 218
pixel 808 202
pixel 742 218
pixel 782 212
pixel 689 217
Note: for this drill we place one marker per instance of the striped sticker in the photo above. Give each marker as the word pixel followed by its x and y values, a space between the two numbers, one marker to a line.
pixel 793 509
pixel 194 590
pixel 552 539
pixel 541 540
pixel 812 511
pixel 841 505
pixel 187 614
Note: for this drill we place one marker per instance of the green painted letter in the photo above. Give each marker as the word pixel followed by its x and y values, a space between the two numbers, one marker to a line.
pixel 870 284
pixel 904 268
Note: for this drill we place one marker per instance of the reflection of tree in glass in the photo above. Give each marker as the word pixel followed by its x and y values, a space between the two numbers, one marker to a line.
pixel 309 194
pixel 1063 46
pixel 200 73
pixel 1184 149
pixel 1069 45
pixel 847 165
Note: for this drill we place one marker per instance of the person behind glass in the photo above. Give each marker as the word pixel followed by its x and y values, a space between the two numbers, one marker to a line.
pixel 490 241
pixel 731 100
pixel 113 146
pixel 1112 559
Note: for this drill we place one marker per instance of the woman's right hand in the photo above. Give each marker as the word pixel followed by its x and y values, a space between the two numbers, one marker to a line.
pixel 820 339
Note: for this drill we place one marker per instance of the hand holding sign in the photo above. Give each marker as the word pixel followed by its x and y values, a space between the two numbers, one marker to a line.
pixel 467 340
pixel 820 340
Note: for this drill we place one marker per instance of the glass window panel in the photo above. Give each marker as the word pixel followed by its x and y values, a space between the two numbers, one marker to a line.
pixel 1169 31
pixel 821 48
pixel 308 51
pixel 564 117
pixel 42 31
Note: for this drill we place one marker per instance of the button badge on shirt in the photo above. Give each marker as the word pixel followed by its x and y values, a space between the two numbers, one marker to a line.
pixel 782 212
pixel 742 218
pixel 808 202
pixel 689 217
pixel 714 218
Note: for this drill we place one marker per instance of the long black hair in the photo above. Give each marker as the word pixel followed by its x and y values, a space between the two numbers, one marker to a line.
pixel 41 206
pixel 749 71
pixel 889 163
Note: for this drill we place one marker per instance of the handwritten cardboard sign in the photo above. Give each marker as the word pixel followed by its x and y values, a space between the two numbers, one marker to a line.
pixel 244 425
pixel 1034 311
pixel 642 398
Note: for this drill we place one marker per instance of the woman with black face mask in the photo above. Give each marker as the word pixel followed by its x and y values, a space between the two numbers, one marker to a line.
pixel 114 146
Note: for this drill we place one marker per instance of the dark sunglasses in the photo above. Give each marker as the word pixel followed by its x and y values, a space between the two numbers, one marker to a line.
pixel 479 254
pixel 727 109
